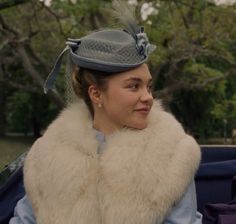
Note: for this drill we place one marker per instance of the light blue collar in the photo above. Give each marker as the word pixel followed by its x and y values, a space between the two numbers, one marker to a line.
pixel 101 140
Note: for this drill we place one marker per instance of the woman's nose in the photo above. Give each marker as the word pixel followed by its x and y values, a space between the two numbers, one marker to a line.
pixel 146 95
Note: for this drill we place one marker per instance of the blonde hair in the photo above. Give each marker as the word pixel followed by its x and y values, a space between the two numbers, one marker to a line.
pixel 83 78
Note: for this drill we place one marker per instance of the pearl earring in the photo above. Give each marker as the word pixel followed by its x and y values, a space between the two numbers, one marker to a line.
pixel 99 105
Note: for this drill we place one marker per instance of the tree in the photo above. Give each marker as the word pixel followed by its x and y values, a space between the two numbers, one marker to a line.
pixel 192 53
pixel 193 65
pixel 11 3
pixel 23 50
pixel 2 105
pixel 195 62
pixel 26 63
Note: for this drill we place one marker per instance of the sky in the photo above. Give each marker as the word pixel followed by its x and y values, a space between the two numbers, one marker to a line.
pixel 48 2
pixel 225 1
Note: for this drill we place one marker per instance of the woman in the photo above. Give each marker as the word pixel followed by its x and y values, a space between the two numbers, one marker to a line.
pixel 115 156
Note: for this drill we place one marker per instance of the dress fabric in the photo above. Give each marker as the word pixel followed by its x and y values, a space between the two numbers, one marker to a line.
pixel 185 212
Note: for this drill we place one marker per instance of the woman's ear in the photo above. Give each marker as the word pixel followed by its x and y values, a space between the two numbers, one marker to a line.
pixel 95 94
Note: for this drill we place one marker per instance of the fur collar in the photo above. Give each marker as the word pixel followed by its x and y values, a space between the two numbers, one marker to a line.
pixel 137 179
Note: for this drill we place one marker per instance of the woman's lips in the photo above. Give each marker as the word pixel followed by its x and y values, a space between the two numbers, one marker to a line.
pixel 143 111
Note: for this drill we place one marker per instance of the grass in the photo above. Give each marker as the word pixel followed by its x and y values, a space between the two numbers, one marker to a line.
pixel 12 147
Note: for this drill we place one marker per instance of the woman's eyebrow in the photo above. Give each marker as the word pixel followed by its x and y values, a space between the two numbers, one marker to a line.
pixel 137 79
pixel 133 79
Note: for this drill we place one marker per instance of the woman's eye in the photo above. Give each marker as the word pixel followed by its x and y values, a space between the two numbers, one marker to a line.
pixel 133 86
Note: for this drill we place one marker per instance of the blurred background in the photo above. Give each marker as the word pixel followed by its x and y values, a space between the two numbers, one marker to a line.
pixel 193 67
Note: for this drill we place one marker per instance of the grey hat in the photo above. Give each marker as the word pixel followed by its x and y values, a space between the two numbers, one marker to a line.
pixel 109 50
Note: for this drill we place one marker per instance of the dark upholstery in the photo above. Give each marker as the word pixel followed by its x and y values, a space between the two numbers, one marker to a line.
pixel 218 153
pixel 10 193
pixel 234 188
pixel 215 174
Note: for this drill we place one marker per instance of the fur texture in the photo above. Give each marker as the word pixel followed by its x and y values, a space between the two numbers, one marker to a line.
pixel 137 179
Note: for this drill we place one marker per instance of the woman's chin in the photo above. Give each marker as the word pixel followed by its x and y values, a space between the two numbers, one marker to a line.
pixel 139 126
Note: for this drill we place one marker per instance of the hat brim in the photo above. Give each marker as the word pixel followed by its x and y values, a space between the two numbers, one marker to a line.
pixel 103 66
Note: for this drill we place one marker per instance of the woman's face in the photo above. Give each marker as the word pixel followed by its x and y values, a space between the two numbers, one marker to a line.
pixel 127 100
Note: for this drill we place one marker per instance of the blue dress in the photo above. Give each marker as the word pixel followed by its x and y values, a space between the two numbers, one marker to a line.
pixel 185 212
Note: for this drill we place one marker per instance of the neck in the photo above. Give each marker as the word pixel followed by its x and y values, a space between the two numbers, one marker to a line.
pixel 102 124
pixel 106 130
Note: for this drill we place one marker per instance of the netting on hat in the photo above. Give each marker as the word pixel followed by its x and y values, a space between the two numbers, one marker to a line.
pixel 109 51
pixel 70 95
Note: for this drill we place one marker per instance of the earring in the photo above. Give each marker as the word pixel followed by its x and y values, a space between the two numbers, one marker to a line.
pixel 99 105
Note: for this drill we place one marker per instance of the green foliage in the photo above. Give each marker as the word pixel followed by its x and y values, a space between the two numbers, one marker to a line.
pixel 196 49
pixel 196 52
pixel 24 110
pixel 19 113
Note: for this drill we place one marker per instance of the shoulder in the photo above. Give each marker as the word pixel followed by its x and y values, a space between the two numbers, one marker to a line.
pixel 186 209
pixel 71 124
pixel 74 117
pixel 165 127
pixel 67 132
pixel 59 135
pixel 62 145
pixel 161 117
pixel 164 123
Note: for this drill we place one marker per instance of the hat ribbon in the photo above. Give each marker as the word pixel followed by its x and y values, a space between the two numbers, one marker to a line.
pixel 49 83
